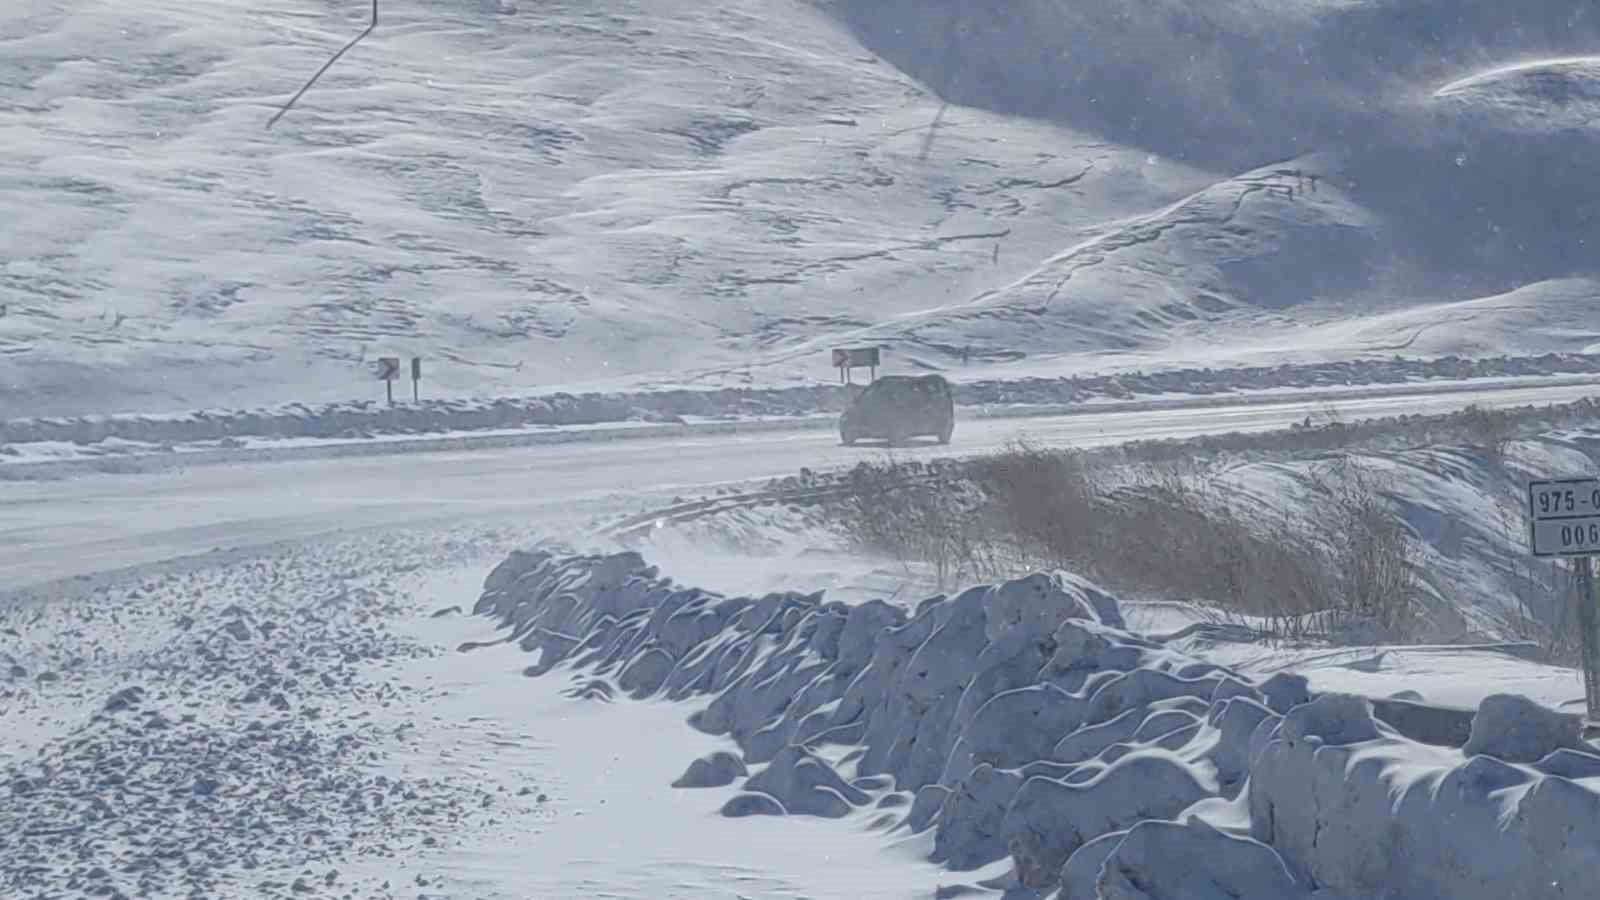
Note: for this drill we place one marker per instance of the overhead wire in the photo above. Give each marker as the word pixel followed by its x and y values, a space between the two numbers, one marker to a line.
pixel 326 66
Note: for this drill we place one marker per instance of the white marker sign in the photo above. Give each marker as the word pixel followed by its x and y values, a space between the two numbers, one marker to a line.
pixel 1566 517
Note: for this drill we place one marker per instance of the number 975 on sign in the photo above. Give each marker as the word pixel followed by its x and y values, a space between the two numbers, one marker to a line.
pixel 1566 500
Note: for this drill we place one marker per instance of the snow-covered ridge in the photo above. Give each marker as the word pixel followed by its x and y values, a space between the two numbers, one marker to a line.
pixel 1021 720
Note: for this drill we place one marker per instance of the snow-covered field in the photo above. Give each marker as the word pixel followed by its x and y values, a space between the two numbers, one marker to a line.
pixel 302 722
pixel 235 730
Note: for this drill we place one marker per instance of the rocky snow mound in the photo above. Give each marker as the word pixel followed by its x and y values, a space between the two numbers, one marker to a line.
pixel 1021 720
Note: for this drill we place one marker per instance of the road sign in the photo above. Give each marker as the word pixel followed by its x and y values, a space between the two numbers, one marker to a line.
pixel 852 357
pixel 1566 516
pixel 416 368
pixel 389 370
pixel 847 358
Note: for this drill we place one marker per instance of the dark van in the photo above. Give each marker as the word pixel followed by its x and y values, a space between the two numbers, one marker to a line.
pixel 896 408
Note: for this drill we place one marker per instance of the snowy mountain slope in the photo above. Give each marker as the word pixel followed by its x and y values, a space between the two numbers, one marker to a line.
pixel 567 194
pixel 1552 316
pixel 1256 244
pixel 562 194
pixel 1548 315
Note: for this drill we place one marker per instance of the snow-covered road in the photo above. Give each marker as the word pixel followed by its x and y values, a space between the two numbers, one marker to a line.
pixel 60 529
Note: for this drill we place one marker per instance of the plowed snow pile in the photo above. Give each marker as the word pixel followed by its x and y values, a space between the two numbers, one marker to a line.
pixel 1022 721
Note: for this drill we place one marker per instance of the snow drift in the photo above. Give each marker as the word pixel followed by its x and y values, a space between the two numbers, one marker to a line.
pixel 1021 720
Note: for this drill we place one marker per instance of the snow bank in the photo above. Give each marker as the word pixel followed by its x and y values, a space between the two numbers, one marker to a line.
pixel 1027 724
pixel 365 419
pixel 1364 813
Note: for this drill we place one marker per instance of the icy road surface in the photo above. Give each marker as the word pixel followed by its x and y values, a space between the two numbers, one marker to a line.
pixel 59 529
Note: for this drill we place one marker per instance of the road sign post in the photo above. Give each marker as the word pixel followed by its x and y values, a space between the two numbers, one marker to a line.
pixel 389 370
pixel 416 379
pixel 846 359
pixel 1591 639
pixel 1565 522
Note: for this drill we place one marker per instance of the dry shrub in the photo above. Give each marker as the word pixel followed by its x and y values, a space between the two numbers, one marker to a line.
pixel 1547 594
pixel 1162 531
pixel 1047 502
pixel 1487 430
pixel 1371 554
pixel 1173 533
pixel 918 513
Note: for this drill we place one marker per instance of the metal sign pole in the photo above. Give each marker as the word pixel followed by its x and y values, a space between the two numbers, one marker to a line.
pixel 388 385
pixel 1591 637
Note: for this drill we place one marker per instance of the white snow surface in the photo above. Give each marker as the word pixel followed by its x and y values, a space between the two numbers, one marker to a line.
pixel 236 728
pixel 1020 722
pixel 297 721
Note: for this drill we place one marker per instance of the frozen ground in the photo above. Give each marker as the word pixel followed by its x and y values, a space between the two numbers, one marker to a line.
pixel 235 729
pixel 536 196
pixel 301 723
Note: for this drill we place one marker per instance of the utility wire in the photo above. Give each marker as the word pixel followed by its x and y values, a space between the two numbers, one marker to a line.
pixel 325 66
